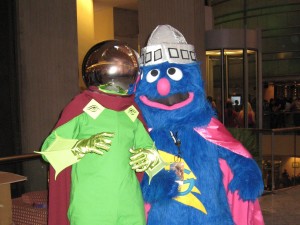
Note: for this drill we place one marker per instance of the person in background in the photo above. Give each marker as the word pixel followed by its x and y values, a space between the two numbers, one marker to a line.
pixel 269 180
pixel 237 106
pixel 273 113
pixel 251 117
pixel 231 115
pixel 280 103
pixel 295 108
pixel 213 104
pixel 288 104
pixel 285 178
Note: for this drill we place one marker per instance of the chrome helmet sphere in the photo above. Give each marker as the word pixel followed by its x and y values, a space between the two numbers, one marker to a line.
pixel 111 65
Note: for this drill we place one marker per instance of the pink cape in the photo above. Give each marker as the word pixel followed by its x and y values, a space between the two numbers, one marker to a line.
pixel 243 212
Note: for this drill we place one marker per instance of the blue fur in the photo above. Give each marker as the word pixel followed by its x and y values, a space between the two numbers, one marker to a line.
pixel 248 179
pixel 158 191
pixel 201 155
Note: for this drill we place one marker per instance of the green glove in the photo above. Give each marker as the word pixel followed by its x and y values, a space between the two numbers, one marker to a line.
pixel 97 143
pixel 146 160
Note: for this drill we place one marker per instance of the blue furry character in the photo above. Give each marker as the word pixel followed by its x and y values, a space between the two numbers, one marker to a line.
pixel 210 178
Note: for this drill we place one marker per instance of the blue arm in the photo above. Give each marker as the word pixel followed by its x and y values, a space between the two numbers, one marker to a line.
pixel 247 177
pixel 163 186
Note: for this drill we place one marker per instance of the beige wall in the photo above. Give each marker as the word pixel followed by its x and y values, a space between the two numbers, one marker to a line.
pixel 104 24
pixel 85 28
pixel 48 67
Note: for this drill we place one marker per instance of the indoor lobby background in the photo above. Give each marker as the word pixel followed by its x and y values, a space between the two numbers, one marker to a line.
pixel 248 50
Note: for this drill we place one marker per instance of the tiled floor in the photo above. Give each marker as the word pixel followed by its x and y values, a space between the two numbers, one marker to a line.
pixel 282 207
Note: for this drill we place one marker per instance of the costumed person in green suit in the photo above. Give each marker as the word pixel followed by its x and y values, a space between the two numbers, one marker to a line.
pixel 92 178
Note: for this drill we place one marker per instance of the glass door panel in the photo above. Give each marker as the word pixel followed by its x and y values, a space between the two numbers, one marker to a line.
pixel 228 71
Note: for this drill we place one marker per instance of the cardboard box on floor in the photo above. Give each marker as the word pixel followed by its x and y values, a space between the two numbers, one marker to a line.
pixel 5 196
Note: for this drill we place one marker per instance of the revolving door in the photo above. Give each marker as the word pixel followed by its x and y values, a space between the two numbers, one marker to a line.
pixel 233 76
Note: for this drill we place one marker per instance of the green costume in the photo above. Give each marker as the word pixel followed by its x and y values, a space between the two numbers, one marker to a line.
pixel 104 189
pixel 98 144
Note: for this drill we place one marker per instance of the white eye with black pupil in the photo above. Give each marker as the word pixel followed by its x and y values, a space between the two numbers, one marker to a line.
pixel 152 75
pixel 174 73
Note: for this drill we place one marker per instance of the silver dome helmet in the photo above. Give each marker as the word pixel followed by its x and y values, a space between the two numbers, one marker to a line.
pixel 112 66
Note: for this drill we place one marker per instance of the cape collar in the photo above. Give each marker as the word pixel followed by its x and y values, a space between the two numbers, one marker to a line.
pixel 110 101
pixel 216 133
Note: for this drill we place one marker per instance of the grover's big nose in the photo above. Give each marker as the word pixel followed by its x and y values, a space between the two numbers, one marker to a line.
pixel 163 87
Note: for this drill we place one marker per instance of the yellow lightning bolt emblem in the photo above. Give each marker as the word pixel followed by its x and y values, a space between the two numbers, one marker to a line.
pixel 188 187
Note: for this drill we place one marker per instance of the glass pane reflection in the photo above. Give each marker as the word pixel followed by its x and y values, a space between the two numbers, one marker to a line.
pixel 225 83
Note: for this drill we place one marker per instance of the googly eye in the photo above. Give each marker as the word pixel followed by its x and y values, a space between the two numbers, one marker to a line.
pixel 152 75
pixel 174 73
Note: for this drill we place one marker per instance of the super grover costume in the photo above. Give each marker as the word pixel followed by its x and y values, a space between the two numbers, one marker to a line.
pixel 95 134
pixel 219 182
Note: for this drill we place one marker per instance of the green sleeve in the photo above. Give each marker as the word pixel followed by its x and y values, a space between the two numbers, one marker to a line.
pixel 57 147
pixel 142 137
pixel 68 130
